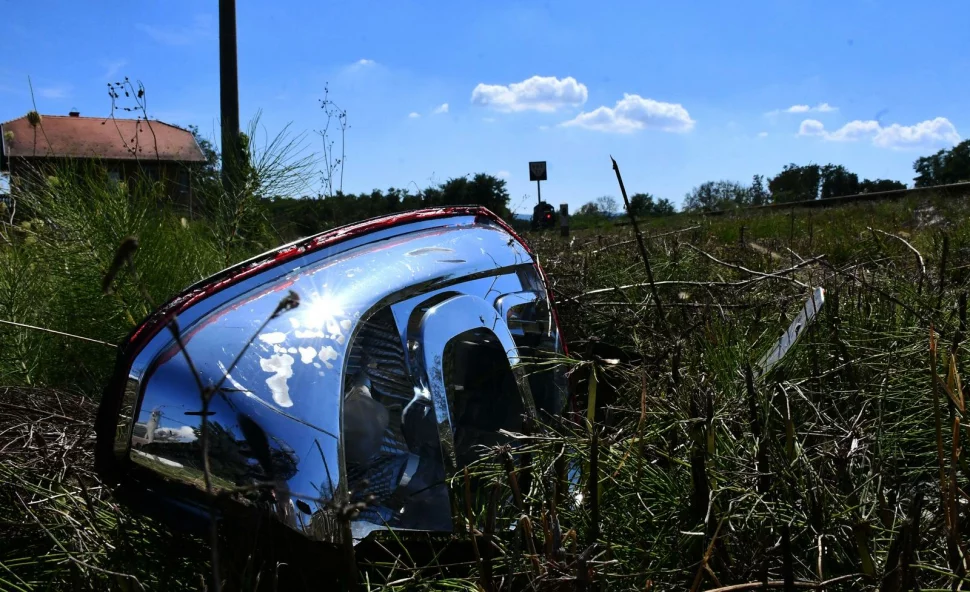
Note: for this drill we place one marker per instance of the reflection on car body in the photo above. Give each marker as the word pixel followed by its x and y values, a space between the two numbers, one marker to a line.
pixel 413 345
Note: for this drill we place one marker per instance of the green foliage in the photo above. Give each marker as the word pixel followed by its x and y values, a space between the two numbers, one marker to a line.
pixel 838 181
pixel 205 178
pixel 53 270
pixel 867 186
pixel 830 446
pixel 590 208
pixel 795 183
pixel 717 195
pixel 664 207
pixel 235 208
pixel 944 167
pixel 602 207
pixel 607 205
pixel 759 194
pixel 641 204
pixel 482 189
pixel 296 217
pixel 644 205
pixel 805 183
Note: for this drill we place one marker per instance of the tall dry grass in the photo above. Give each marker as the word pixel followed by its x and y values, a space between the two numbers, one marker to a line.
pixel 841 469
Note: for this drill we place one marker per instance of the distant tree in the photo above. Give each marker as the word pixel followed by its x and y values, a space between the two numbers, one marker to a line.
pixel 393 199
pixel 930 170
pixel 664 207
pixel 482 189
pixel 607 205
pixel 759 195
pixel 795 183
pixel 868 186
pixel 411 201
pixel 589 209
pixel 303 216
pixel 432 196
pixel 644 205
pixel 717 195
pixel 641 204
pixel 836 181
pixel 208 173
pixel 944 167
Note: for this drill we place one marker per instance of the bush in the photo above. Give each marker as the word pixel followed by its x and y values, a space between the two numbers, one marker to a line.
pixel 54 267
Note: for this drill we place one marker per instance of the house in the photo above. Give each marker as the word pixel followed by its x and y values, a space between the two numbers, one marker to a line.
pixel 124 147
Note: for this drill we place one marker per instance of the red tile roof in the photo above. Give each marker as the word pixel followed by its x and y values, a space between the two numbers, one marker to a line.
pixel 96 137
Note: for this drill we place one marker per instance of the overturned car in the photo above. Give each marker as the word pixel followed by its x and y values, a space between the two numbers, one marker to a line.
pixel 364 365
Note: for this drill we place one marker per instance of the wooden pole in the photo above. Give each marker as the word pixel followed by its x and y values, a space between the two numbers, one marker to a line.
pixel 228 90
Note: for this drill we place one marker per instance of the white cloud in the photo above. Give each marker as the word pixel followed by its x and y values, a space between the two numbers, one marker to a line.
pixel 442 108
pixel 55 92
pixel 539 93
pixel 850 132
pixel 932 132
pixel 414 115
pixel 855 130
pixel 503 174
pixel 811 127
pixel 184 433
pixel 364 63
pixel 820 108
pixel 202 27
pixel 632 113
pixel 763 134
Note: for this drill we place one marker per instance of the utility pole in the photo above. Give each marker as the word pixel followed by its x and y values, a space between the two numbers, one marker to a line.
pixel 228 92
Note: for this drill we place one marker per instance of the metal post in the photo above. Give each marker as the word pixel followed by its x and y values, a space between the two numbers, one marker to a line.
pixel 539 190
pixel 228 90
pixel 564 219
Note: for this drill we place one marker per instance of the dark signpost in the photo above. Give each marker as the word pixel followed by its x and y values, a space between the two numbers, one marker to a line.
pixel 537 173
pixel 543 214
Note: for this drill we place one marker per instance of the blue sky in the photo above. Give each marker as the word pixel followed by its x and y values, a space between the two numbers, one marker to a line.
pixel 678 92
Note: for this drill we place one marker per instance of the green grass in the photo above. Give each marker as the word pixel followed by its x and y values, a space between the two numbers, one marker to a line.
pixel 54 262
pixel 702 479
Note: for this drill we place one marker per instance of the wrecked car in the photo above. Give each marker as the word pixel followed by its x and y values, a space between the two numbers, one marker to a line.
pixel 363 365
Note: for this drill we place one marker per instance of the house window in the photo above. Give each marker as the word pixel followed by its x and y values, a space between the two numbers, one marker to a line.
pixel 183 181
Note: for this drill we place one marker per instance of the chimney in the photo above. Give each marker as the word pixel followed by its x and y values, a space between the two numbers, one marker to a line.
pixel 74 113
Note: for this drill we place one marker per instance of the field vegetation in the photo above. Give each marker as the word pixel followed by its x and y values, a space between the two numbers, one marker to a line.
pixel 842 468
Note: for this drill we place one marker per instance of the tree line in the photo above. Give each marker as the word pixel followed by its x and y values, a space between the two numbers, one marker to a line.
pixel 310 214
pixel 294 216
pixel 641 205
pixel 813 181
